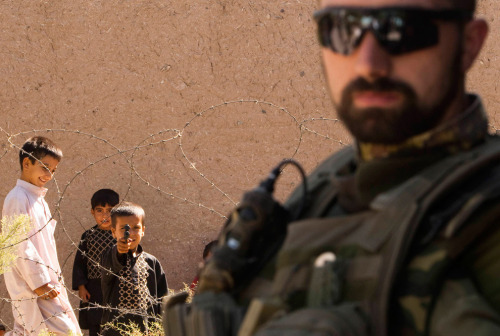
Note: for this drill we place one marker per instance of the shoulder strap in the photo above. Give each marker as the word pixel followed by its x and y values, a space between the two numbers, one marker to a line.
pixel 458 231
pixel 442 178
pixel 319 183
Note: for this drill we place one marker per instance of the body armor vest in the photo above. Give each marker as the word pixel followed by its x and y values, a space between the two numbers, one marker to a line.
pixel 355 258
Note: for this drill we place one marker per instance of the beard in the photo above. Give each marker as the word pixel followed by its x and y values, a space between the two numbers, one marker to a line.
pixel 395 125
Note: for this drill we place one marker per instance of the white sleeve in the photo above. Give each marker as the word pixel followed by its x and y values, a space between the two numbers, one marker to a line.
pixel 29 263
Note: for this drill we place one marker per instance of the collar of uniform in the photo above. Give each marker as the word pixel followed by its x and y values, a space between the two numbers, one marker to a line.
pixel 362 181
pixel 31 188
pixel 460 133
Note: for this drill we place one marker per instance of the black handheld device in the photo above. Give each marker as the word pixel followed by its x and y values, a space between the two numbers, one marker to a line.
pixel 127 232
pixel 251 236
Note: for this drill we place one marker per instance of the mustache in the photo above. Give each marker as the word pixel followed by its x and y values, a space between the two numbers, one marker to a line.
pixel 382 84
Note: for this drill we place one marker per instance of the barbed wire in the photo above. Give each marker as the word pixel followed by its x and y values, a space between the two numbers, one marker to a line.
pixel 129 155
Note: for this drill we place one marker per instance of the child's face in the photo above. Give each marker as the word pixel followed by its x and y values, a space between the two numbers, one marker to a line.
pixel 136 230
pixel 102 216
pixel 40 172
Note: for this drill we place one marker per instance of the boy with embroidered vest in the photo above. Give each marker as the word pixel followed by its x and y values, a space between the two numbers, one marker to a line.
pixel 35 284
pixel 86 268
pixel 133 281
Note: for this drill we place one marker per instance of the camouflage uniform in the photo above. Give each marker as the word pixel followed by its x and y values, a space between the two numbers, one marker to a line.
pixel 403 245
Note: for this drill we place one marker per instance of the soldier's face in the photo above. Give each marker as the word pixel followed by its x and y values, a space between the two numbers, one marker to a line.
pixel 384 97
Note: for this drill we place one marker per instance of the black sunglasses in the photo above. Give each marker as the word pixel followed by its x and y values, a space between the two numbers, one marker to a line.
pixel 398 29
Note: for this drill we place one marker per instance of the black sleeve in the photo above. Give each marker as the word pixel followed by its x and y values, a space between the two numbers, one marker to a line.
pixel 161 285
pixel 162 280
pixel 80 271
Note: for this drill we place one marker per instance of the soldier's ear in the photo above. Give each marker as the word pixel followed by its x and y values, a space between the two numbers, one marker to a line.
pixel 474 35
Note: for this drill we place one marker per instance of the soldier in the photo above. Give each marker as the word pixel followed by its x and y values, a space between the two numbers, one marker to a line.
pixel 398 235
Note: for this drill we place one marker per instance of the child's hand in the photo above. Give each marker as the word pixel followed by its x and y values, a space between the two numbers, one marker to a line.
pixel 47 291
pixel 123 245
pixel 83 293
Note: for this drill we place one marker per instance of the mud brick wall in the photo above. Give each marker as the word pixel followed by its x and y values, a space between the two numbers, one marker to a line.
pixel 179 106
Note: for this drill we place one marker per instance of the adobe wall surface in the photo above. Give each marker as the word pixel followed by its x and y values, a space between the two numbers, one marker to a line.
pixel 179 106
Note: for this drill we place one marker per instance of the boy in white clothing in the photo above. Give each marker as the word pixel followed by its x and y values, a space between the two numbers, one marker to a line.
pixel 35 284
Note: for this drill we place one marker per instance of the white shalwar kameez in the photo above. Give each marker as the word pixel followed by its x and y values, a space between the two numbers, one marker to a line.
pixel 37 264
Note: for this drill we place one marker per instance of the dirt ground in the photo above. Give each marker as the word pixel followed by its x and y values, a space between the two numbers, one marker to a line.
pixel 179 106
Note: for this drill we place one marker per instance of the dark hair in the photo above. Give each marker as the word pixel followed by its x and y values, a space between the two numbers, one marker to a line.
pixel 208 248
pixel 2 327
pixel 37 147
pixel 468 5
pixel 104 196
pixel 126 209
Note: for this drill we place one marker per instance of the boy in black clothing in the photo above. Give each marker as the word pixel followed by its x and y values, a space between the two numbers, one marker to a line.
pixel 86 268
pixel 133 281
